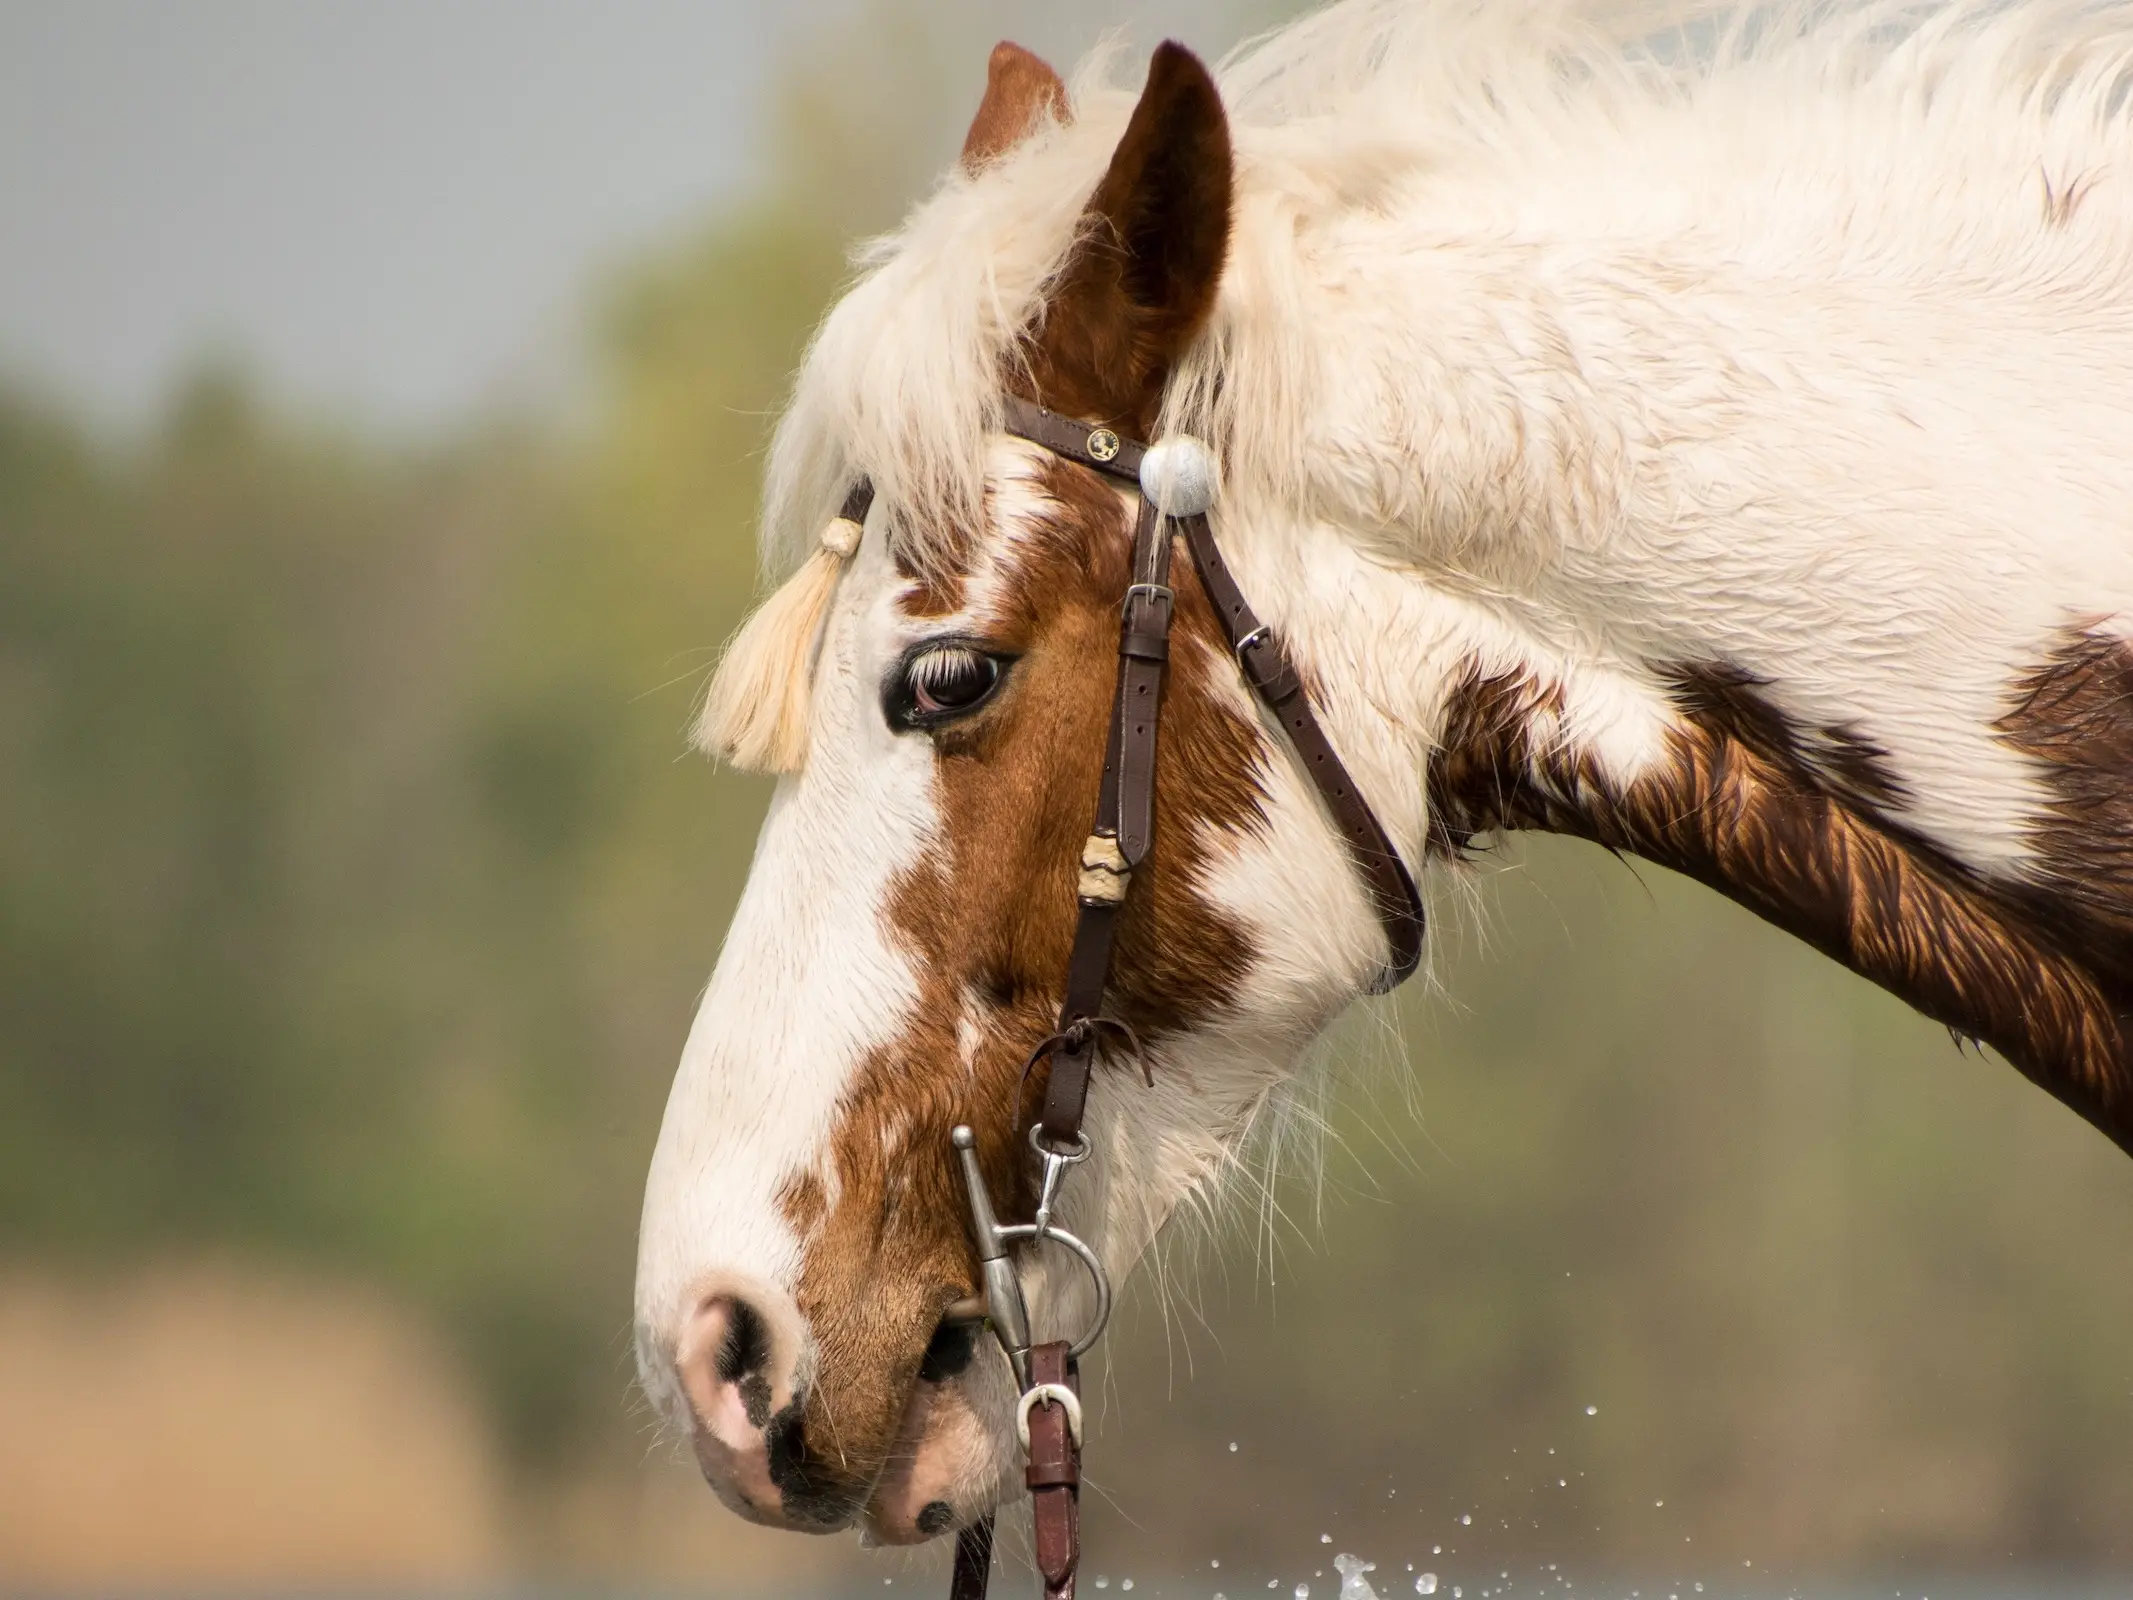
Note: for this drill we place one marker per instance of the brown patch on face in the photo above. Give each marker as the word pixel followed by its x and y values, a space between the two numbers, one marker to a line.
pixel 1743 809
pixel 1139 285
pixel 1019 89
pixel 990 914
pixel 989 917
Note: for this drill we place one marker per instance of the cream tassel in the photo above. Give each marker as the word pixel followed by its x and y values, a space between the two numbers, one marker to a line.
pixel 755 713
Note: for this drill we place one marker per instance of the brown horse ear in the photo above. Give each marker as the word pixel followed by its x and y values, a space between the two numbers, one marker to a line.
pixel 1019 87
pixel 1142 281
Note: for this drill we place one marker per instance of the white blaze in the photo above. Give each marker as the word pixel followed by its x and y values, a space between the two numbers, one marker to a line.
pixel 808 982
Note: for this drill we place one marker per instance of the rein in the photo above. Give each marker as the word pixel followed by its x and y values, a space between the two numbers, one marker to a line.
pixel 1175 482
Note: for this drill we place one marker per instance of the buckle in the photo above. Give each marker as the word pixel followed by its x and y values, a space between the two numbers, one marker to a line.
pixel 1154 593
pixel 1273 679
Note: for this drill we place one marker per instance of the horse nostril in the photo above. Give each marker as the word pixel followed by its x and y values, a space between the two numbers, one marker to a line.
pixel 735 1357
pixel 950 1351
pixel 744 1360
pixel 937 1518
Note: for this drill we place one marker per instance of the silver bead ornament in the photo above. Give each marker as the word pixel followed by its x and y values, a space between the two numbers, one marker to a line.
pixel 1178 476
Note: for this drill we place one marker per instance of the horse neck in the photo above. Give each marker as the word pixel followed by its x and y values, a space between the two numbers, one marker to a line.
pixel 1759 582
pixel 1609 462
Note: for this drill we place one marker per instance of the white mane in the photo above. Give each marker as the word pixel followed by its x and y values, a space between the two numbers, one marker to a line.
pixel 1975 143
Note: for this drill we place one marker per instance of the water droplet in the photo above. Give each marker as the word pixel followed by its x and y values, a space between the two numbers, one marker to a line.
pixel 1436 1549
pixel 1325 1538
pixel 1466 1519
pixel 1233 1447
pixel 1592 1411
pixel 1426 1584
pixel 1303 1591
pixel 1127 1584
pixel 1354 1586
pixel 1103 1583
pixel 1214 1563
pixel 1658 1502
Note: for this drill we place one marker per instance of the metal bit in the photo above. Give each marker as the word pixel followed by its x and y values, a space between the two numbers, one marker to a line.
pixel 1004 1306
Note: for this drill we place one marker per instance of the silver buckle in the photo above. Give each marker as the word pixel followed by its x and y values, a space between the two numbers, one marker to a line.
pixel 1156 593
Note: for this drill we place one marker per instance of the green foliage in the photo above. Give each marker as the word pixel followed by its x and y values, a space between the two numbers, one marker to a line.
pixel 352 890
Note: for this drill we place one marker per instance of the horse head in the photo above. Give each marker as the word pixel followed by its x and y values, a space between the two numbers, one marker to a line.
pixel 938 690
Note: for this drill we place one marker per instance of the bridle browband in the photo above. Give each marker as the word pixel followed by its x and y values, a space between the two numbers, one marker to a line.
pixel 1049 1413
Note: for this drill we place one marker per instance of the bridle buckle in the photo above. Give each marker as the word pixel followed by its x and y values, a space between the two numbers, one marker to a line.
pixel 1153 593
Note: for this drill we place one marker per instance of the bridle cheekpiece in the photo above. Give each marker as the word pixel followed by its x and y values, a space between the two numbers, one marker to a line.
pixel 1176 480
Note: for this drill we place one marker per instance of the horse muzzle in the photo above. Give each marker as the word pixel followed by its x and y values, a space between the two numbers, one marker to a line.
pixel 778 1451
pixel 740 1363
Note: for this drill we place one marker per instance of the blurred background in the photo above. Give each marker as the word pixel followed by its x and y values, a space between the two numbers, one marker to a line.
pixel 382 391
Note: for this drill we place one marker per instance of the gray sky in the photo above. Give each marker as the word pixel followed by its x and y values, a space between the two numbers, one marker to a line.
pixel 389 207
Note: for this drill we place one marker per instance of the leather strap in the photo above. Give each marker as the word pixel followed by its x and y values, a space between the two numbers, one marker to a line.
pixel 1054 1475
pixel 1119 841
pixel 1268 670
pixel 1125 814
pixel 1091 444
pixel 973 1561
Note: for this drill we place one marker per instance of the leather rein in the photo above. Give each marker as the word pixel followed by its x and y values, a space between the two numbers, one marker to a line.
pixel 1179 475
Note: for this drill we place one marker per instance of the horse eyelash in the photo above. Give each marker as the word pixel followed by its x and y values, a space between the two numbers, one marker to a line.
pixel 937 664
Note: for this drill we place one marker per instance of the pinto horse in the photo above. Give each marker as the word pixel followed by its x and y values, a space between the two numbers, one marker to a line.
pixel 1714 442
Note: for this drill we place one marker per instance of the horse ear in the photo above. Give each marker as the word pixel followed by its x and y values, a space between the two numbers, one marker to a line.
pixel 1019 88
pixel 1141 282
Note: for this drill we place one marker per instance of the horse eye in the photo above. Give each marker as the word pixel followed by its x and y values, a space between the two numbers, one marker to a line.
pixel 940 681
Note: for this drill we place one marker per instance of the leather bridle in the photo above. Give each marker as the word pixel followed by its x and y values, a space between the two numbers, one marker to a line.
pixel 1049 1412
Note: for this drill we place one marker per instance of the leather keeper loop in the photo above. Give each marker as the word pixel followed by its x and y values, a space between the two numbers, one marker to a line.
pixel 1267 665
pixel 1055 1474
pixel 1144 646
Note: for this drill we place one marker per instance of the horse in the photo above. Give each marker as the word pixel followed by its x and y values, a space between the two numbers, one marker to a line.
pixel 1705 434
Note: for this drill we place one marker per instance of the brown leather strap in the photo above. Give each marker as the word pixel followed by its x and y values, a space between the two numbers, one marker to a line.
pixel 973 1561
pixel 1054 1475
pixel 1091 444
pixel 1125 822
pixel 1125 812
pixel 1267 668
pixel 1143 652
pixel 858 502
